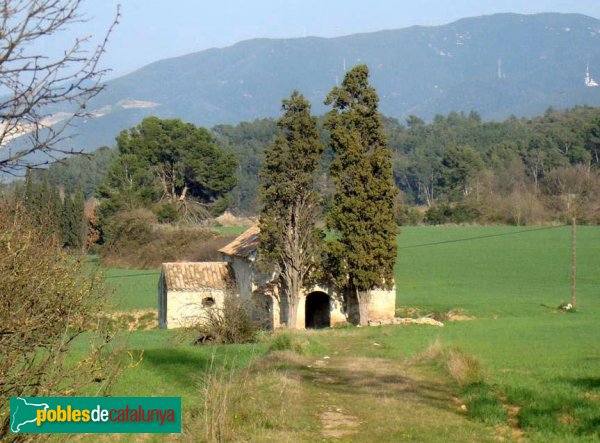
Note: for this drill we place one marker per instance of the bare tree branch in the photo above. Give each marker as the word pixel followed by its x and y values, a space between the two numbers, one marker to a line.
pixel 33 87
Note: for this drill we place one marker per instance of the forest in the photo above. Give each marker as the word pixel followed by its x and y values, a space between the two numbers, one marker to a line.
pixel 454 169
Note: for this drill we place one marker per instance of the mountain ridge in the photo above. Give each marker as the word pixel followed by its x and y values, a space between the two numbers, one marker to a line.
pixel 497 65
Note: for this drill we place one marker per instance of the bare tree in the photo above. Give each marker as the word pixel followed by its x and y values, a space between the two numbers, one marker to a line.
pixel 40 95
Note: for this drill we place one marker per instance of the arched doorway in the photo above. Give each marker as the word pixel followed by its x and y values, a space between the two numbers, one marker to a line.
pixel 316 314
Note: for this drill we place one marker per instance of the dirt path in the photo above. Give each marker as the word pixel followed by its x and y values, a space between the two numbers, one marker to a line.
pixel 334 422
pixel 371 399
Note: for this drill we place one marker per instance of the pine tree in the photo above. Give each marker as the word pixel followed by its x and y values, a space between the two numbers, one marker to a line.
pixel 362 254
pixel 290 205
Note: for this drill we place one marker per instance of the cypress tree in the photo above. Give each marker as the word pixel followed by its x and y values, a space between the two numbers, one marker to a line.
pixel 79 225
pixel 28 190
pixel 290 205
pixel 66 222
pixel 362 254
pixel 54 211
pixel 72 223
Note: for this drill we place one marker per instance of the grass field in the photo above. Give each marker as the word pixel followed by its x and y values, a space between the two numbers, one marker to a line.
pixel 541 367
pixel 132 289
pixel 230 230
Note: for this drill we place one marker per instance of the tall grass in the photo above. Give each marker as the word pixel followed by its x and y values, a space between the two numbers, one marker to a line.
pixel 244 404
pixel 462 368
pixel 481 401
pixel 285 341
pixel 221 392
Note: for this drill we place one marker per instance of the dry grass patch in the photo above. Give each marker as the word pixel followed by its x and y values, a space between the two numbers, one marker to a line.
pixel 463 369
pixel 479 400
pixel 279 360
pixel 259 403
pixel 336 424
pixel 141 319
pixel 285 341
pixel 458 315
pixel 434 351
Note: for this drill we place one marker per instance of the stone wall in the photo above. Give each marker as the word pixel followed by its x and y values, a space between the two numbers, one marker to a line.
pixel 180 309
pixel 382 305
pixel 337 314
pixel 186 308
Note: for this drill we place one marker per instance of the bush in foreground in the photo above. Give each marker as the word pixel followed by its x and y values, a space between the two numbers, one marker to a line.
pixel 47 299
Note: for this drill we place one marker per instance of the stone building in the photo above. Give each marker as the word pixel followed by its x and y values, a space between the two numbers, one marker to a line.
pixel 186 290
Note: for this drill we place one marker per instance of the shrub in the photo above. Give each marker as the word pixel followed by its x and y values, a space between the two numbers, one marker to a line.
pixel 166 212
pixel 135 239
pixel 230 324
pixel 438 215
pixel 127 228
pixel 463 368
pixel 284 341
pixel 460 213
pixel 465 213
pixel 48 298
pixel 409 217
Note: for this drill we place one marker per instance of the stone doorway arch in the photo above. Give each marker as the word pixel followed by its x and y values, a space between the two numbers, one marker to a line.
pixel 317 310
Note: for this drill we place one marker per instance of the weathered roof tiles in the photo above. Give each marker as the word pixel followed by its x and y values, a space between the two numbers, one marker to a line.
pixel 197 276
pixel 244 245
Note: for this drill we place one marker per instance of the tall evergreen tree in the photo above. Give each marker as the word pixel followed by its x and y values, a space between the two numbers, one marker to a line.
pixel 79 225
pixel 42 203
pixel 28 190
pixel 54 211
pixel 362 254
pixel 72 223
pixel 66 222
pixel 290 205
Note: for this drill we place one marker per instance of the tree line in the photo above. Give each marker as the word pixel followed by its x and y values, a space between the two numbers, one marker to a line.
pixel 456 168
pixel 56 213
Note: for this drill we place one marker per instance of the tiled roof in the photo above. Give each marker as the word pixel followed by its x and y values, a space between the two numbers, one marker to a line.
pixel 193 276
pixel 244 245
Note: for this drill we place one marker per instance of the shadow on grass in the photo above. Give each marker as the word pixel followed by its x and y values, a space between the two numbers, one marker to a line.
pixel 185 366
pixel 379 379
pixel 584 382
pixel 181 367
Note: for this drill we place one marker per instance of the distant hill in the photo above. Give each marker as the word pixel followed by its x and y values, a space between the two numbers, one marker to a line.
pixel 498 65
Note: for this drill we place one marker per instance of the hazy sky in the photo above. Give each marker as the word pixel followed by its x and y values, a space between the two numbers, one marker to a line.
pixel 151 30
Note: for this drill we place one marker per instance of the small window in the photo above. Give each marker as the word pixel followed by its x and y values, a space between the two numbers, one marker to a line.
pixel 208 302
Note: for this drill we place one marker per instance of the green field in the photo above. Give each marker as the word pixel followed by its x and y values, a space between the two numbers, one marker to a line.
pixel 542 362
pixel 230 230
pixel 132 289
